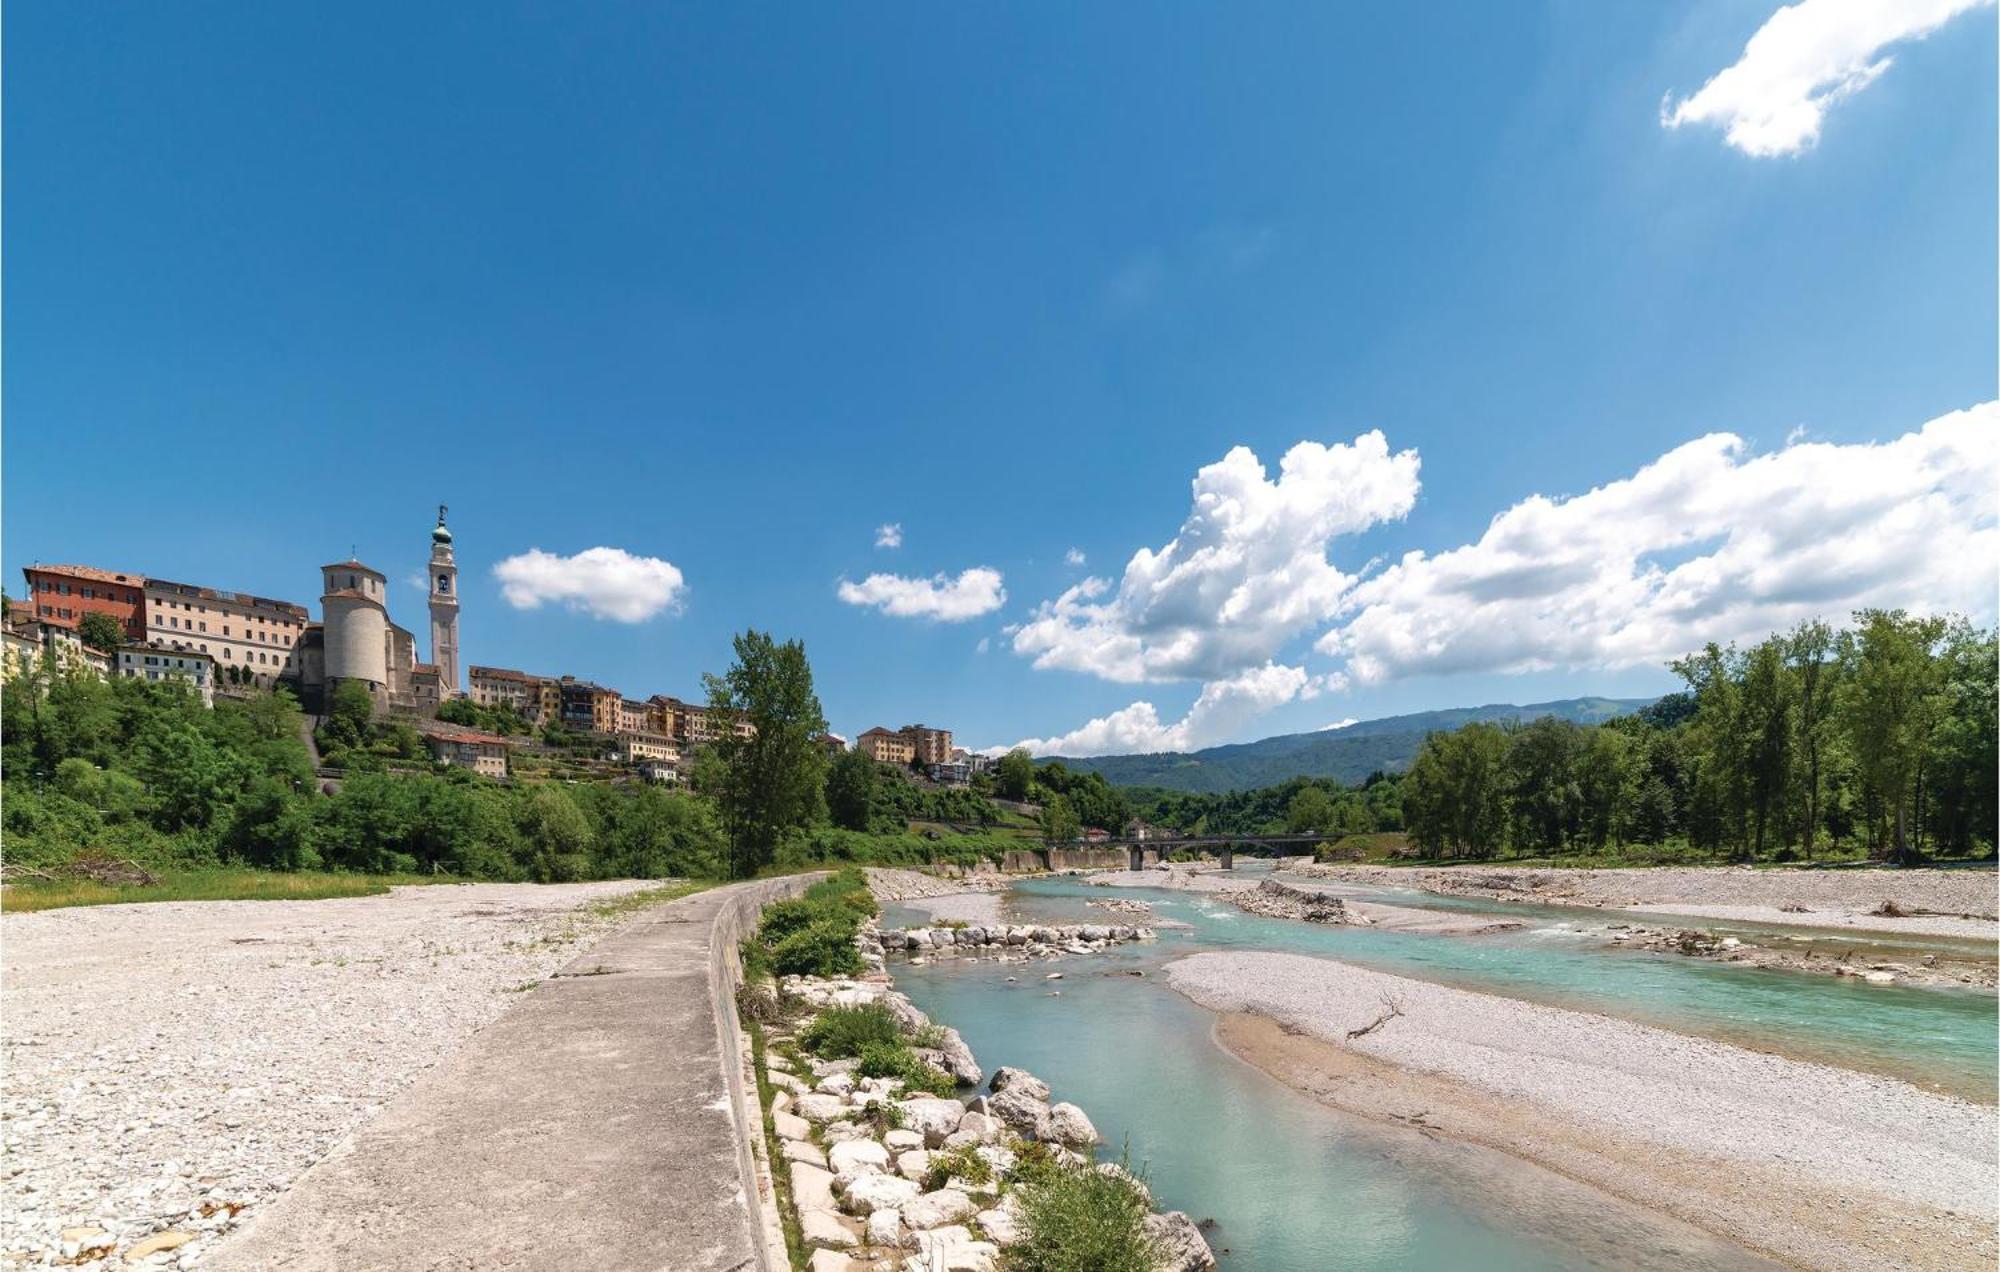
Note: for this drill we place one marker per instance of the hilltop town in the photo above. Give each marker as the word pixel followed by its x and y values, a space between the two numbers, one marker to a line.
pixel 117 623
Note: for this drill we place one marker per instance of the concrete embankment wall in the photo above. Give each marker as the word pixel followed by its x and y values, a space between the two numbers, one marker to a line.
pixel 1040 860
pixel 735 920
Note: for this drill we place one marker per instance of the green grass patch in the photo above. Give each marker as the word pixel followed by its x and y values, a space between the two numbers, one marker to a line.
pixel 1078 1219
pixel 839 1033
pixel 813 934
pixel 219 883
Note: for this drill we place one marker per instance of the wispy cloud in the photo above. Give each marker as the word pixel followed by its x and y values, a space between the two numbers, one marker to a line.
pixel 1073 557
pixel 889 535
pixel 1803 60
pixel 602 582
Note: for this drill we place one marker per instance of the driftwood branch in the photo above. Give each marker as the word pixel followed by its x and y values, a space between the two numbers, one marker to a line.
pixel 1393 1007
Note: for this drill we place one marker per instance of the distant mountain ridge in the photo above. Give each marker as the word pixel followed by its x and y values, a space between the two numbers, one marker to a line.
pixel 1348 754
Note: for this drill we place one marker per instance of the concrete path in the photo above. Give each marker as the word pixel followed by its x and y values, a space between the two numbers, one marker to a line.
pixel 591 1126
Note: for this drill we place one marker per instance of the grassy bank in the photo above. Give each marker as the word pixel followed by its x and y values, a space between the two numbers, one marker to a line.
pixel 218 883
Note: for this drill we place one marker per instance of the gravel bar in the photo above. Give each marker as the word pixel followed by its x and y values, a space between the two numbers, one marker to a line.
pixel 1636 1081
pixel 170 1066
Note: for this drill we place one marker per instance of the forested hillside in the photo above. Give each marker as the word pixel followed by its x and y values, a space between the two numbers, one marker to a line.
pixel 1346 755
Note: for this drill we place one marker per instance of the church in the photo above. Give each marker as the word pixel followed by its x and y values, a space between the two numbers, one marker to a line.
pixel 356 639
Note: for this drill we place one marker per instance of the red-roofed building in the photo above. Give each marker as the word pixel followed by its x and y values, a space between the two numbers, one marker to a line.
pixel 63 594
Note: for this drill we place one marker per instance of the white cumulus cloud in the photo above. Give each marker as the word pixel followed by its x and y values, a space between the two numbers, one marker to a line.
pixel 1246 573
pixel 1708 542
pixel 602 582
pixel 1074 556
pixel 889 535
pixel 1805 58
pixel 1223 708
pixel 948 600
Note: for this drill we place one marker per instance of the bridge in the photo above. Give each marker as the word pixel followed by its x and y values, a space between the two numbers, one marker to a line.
pixel 1156 848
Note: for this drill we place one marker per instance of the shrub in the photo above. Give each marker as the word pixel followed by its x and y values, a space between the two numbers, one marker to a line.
pixel 824 949
pixel 896 1060
pixel 963 1162
pixel 1077 1219
pixel 840 1032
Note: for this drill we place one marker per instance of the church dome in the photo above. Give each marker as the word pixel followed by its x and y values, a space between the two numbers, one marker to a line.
pixel 440 535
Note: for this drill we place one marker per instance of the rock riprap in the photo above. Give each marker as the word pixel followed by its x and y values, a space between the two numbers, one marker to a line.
pixel 1016 941
pixel 886 1177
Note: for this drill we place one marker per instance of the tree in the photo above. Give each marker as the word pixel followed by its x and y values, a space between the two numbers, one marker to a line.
pixel 1059 821
pixel 1809 650
pixel 1889 705
pixel 1454 795
pixel 100 631
pixel 774 779
pixel 850 790
pixel 1017 774
pixel 349 709
pixel 1311 812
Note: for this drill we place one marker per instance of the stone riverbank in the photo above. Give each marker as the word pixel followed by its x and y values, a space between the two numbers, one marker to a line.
pixel 883 1177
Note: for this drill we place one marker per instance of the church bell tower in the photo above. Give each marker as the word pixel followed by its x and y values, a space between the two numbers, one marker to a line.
pixel 444 609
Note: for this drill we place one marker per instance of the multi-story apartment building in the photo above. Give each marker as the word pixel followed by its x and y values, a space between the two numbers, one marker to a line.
pixel 635 748
pixel 252 633
pixel 589 708
pixel 63 594
pixel 692 725
pixel 931 746
pixel 635 718
pixel 833 744
pixel 884 747
pixel 163 662
pixel 537 699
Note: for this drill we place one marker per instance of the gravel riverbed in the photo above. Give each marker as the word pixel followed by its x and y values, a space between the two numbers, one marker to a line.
pixel 171 1066
pixel 1639 1095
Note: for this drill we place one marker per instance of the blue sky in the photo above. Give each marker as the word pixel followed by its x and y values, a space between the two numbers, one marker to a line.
pixel 731 286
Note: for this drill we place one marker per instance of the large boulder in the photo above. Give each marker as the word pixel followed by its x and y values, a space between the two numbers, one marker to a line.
pixel 1007 1076
pixel 902 1139
pixel 820 1107
pixel 1178 1244
pixel 825 1228
pixel 952 1249
pixel 812 1187
pixel 958 1061
pixel 871 1192
pixel 936 1209
pixel 1068 1125
pixel 931 1118
pixel 885 1228
pixel 983 1127
pixel 1003 1222
pixel 856 1157
pixel 1020 1108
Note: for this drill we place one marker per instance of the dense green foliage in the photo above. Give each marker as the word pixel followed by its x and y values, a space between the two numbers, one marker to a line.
pixel 501 718
pixel 869 1033
pixel 100 631
pixel 813 934
pixel 140 770
pixel 1879 739
pixel 1078 1219
pixel 1301 805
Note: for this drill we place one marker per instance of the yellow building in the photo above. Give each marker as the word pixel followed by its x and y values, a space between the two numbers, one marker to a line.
pixel 884 747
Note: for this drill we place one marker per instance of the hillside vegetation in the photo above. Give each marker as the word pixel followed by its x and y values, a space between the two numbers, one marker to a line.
pixel 1346 755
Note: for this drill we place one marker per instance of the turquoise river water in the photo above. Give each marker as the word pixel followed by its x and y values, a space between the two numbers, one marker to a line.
pixel 1291 1184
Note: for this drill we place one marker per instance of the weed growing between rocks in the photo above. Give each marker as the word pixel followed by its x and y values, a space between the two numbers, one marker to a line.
pixel 1081 1219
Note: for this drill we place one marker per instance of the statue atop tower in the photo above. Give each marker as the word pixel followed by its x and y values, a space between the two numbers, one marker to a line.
pixel 444 609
